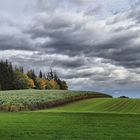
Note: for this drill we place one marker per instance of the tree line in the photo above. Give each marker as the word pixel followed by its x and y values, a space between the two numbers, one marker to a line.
pixel 12 78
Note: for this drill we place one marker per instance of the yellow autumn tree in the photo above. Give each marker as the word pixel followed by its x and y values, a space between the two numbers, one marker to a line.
pixel 41 83
pixel 54 84
pixel 30 83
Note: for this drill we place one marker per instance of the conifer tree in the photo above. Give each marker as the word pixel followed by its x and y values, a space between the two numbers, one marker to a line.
pixel 40 74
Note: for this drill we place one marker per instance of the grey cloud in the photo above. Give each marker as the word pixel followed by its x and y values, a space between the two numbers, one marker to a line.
pixel 93 11
pixel 10 42
pixel 87 49
pixel 133 14
pixel 73 38
pixel 69 63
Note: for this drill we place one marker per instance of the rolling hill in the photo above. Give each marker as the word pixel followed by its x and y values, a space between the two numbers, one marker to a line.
pixel 94 118
pixel 101 105
pixel 19 100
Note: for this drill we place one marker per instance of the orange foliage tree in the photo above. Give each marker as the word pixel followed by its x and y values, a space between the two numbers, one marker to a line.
pixel 30 83
pixel 54 84
pixel 41 83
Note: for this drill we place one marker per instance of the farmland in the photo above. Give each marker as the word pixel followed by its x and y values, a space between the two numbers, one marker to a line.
pixel 68 126
pixel 91 119
pixel 19 100
pixel 102 105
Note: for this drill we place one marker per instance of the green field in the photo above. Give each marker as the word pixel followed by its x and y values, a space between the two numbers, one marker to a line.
pixel 89 119
pixel 102 105
pixel 68 126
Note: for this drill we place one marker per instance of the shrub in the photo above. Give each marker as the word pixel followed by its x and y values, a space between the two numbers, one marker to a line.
pixel 30 83
pixel 41 83
pixel 21 80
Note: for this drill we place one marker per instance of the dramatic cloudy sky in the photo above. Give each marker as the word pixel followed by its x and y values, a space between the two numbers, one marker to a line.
pixel 92 44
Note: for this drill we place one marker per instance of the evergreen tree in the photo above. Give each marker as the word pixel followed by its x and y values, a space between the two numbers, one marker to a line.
pixel 6 75
pixel 40 74
pixel 50 75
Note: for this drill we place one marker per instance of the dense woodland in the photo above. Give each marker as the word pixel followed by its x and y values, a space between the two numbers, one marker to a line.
pixel 14 78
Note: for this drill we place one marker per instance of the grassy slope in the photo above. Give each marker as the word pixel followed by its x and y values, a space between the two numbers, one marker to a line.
pixel 68 126
pixel 75 121
pixel 101 105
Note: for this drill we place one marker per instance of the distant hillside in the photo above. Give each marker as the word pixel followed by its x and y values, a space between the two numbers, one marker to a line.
pixel 99 105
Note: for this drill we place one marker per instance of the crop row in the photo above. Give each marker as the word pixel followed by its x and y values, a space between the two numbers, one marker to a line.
pixel 36 99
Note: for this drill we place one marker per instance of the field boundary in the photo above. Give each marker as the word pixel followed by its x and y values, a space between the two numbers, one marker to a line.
pixel 65 101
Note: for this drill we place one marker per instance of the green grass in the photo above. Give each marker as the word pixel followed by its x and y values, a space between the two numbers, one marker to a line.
pixel 18 100
pixel 68 126
pixel 90 119
pixel 101 105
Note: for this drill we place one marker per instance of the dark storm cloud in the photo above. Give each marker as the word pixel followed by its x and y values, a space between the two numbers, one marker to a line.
pixel 73 63
pixel 120 48
pixel 10 42
pixel 73 38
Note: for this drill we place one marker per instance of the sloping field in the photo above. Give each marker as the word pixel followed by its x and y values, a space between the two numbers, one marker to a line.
pixel 73 121
pixel 68 126
pixel 101 105
pixel 19 100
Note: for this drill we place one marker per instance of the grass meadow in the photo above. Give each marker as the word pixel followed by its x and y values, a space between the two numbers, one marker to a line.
pixel 68 126
pixel 88 119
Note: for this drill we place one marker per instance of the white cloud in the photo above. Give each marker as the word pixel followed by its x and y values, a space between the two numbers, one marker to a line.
pixel 92 44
